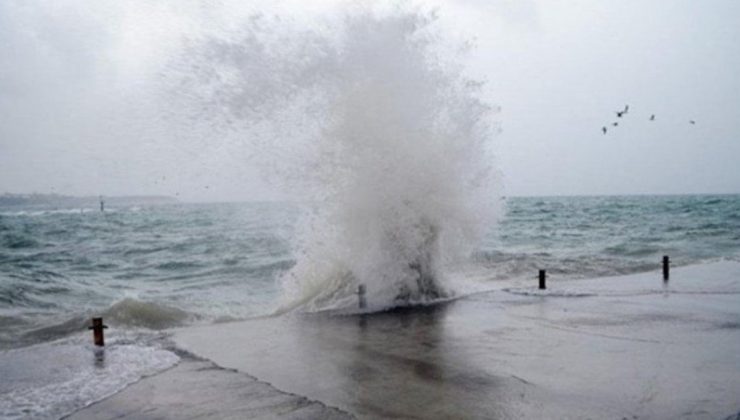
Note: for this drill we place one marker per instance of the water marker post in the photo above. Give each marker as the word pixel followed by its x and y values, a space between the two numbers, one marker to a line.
pixel 98 327
pixel 666 267
pixel 361 296
pixel 542 277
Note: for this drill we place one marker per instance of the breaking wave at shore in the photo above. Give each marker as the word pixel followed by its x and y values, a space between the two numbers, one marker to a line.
pixel 129 266
pixel 155 268
pixel 375 121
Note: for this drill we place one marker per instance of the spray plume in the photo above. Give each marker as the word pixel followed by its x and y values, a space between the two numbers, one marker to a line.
pixel 376 126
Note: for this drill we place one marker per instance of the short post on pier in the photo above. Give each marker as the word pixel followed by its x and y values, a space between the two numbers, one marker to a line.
pixel 542 277
pixel 98 327
pixel 666 267
pixel 361 296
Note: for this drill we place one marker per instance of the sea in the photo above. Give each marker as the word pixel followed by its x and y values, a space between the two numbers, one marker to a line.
pixel 149 268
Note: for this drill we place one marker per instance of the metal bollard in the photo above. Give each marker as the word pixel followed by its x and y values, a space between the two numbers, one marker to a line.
pixel 98 327
pixel 542 277
pixel 361 296
pixel 666 267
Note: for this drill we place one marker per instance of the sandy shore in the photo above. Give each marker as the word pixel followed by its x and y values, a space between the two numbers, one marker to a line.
pixel 623 347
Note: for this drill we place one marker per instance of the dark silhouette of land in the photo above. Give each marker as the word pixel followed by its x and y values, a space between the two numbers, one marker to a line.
pixel 66 201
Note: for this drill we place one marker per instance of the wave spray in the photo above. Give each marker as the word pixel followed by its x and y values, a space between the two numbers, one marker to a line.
pixel 376 126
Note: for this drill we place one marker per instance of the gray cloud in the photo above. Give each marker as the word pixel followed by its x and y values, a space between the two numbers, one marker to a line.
pixel 81 109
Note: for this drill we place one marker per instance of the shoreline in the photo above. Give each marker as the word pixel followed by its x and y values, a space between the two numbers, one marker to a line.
pixel 626 346
pixel 199 388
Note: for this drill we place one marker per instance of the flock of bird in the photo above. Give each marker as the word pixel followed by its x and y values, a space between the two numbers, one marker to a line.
pixel 623 112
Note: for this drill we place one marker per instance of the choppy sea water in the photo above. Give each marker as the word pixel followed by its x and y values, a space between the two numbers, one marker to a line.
pixel 163 266
pixel 146 269
pixel 152 267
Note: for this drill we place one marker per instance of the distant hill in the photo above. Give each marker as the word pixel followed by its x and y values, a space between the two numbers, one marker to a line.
pixel 65 201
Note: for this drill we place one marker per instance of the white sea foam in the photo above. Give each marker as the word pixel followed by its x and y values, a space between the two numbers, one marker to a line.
pixel 51 380
pixel 376 123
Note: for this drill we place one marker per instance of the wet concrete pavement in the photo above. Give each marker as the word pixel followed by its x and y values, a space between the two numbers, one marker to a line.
pixel 198 389
pixel 624 347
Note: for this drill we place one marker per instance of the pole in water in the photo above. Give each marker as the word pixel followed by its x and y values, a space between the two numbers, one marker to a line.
pixel 102 204
pixel 666 267
pixel 97 327
pixel 542 277
pixel 361 296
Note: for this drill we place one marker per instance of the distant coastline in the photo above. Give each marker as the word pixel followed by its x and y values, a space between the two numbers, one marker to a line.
pixel 66 201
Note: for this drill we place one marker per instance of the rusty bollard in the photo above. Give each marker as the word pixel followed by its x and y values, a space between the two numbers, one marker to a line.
pixel 97 327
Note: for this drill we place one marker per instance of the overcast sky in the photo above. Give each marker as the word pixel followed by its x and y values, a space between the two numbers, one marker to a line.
pixel 77 77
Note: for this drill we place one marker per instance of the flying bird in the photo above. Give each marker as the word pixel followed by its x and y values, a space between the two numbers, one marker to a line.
pixel 603 129
pixel 652 117
pixel 692 122
pixel 615 124
pixel 622 112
